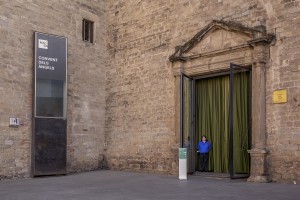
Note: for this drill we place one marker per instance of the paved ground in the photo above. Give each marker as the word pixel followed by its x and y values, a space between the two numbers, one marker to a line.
pixel 114 185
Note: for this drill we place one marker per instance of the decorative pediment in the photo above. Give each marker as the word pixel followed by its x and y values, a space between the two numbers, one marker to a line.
pixel 220 36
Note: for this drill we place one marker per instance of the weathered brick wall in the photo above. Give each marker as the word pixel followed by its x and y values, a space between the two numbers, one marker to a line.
pixel 140 103
pixel 137 83
pixel 140 85
pixel 86 79
pixel 283 120
pixel 140 89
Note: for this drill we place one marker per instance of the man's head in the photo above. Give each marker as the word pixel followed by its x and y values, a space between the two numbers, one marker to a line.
pixel 204 138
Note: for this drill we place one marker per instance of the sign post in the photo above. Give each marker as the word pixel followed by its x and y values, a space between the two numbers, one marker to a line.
pixel 50 105
pixel 182 164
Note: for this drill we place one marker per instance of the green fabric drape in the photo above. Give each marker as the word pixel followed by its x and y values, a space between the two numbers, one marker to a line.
pixel 241 109
pixel 212 120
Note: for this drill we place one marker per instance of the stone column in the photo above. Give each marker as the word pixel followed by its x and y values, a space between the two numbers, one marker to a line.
pixel 258 170
pixel 177 67
pixel 177 107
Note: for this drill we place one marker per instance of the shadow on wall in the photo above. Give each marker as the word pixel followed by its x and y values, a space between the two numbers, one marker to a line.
pixel 103 162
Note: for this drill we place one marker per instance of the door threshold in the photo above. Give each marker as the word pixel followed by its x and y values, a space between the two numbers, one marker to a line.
pixel 212 175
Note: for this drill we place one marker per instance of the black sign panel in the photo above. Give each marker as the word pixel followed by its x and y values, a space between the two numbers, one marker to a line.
pixel 50 56
pixel 50 124
pixel 50 146
pixel 50 75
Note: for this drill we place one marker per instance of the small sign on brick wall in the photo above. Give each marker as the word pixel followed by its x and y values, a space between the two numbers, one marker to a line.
pixel 280 96
pixel 14 121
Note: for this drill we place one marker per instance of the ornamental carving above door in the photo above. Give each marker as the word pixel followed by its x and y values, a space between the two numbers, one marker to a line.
pixel 218 44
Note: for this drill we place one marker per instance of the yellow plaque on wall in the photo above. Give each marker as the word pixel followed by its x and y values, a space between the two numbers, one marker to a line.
pixel 280 96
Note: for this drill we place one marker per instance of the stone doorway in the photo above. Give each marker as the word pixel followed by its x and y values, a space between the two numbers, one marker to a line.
pixel 212 50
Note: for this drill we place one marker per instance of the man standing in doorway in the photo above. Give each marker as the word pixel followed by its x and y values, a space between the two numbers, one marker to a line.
pixel 203 150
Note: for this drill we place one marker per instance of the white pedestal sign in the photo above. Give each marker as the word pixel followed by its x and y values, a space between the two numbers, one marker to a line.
pixel 182 164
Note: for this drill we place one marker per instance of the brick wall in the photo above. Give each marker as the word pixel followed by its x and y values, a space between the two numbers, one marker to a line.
pixel 86 79
pixel 283 127
pixel 140 85
pixel 140 89
pixel 125 82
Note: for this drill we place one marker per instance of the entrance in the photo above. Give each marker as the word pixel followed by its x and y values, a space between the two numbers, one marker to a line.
pixel 210 51
pixel 219 107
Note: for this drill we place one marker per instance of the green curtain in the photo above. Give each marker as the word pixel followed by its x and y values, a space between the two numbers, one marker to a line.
pixel 241 122
pixel 212 120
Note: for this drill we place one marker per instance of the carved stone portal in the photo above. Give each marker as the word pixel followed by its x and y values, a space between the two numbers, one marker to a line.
pixel 212 50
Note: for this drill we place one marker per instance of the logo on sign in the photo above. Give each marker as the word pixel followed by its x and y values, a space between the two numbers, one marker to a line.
pixel 43 44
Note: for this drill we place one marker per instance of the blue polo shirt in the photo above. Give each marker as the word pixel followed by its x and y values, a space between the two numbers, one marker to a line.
pixel 203 147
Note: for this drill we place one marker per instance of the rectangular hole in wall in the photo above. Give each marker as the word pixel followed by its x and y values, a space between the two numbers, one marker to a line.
pixel 87 30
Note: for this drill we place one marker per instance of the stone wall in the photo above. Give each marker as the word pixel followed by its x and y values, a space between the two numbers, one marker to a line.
pixel 140 89
pixel 124 81
pixel 140 85
pixel 86 79
pixel 283 120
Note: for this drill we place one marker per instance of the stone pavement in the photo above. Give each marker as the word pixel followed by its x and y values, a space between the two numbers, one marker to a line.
pixel 114 185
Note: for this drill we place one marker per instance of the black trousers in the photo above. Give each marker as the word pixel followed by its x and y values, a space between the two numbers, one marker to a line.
pixel 203 158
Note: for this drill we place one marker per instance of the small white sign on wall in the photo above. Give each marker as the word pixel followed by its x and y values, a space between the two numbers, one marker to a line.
pixel 14 121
